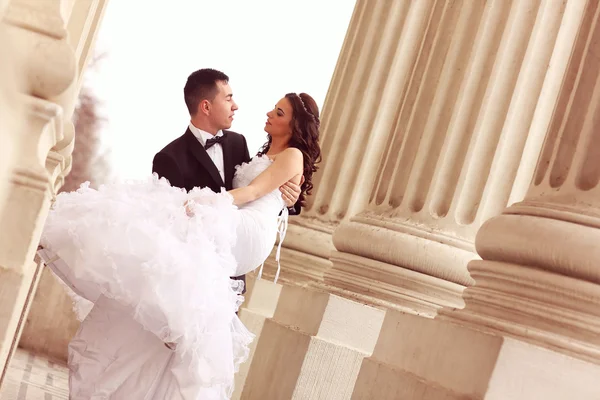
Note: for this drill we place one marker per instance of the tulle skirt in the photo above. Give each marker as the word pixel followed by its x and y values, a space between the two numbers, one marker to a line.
pixel 133 242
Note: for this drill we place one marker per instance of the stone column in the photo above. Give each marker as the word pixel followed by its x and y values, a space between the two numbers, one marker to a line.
pixel 49 71
pixel 539 279
pixel 83 26
pixel 532 83
pixel 51 322
pixel 10 111
pixel 360 111
pixel 459 147
pixel 11 119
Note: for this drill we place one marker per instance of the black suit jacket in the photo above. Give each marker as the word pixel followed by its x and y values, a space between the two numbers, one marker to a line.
pixel 186 164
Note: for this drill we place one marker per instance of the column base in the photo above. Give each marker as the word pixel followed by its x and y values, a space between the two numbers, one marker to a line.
pixel 538 281
pixel 297 268
pixel 376 283
pixel 416 247
pixel 377 276
pixel 536 306
pixel 304 254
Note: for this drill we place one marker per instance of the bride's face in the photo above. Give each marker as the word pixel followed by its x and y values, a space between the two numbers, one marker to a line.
pixel 279 119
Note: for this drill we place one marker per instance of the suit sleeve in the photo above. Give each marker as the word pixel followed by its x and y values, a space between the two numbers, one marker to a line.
pixel 165 167
pixel 246 152
pixel 295 210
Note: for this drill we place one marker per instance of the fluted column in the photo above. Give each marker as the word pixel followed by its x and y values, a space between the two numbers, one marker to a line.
pixel 539 278
pixel 46 63
pixel 51 321
pixel 360 110
pixel 459 151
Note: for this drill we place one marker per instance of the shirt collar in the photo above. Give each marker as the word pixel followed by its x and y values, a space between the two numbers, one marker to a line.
pixel 201 135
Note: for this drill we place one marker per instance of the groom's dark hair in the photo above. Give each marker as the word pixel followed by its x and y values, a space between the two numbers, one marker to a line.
pixel 202 85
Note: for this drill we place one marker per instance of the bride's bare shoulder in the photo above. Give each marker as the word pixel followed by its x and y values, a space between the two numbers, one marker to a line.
pixel 290 159
pixel 291 154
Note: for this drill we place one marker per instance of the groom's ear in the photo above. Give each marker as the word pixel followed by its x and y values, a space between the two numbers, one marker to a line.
pixel 204 106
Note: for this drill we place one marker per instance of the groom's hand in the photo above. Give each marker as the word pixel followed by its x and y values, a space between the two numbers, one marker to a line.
pixel 189 208
pixel 290 192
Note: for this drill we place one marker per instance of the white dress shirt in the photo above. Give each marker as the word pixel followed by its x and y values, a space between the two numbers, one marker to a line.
pixel 215 152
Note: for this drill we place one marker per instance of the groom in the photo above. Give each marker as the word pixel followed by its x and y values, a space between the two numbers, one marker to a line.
pixel 207 153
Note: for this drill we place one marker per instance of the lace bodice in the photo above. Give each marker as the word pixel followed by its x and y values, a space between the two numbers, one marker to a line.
pixel 245 173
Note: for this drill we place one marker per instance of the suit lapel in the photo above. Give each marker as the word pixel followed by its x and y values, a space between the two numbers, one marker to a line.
pixel 227 160
pixel 203 157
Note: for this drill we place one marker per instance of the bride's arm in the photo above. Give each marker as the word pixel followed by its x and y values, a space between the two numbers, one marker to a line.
pixel 288 164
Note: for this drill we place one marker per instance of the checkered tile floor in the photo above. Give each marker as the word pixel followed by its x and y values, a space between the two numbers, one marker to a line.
pixel 32 377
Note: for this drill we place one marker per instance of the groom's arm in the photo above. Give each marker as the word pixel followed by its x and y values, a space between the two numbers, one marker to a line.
pixel 165 167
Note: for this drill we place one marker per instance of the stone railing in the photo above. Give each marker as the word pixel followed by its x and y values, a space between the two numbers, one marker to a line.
pixel 46 44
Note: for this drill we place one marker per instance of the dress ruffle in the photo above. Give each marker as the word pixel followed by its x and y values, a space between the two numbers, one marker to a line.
pixel 134 243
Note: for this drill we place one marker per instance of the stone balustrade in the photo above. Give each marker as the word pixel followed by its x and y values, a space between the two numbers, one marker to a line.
pixel 47 44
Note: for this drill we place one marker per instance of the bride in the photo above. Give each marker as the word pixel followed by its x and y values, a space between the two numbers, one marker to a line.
pixel 156 261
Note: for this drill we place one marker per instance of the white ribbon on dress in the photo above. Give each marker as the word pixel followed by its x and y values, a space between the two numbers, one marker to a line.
pixel 282 225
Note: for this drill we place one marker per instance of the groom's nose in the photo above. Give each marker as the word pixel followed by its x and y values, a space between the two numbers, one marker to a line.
pixel 234 106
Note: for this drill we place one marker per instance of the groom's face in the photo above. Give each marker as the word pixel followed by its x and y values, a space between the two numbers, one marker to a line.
pixel 223 107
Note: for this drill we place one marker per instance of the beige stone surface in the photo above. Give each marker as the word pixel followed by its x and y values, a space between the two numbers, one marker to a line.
pixel 261 301
pixel 34 377
pixel 51 321
pixel 465 108
pixel 46 44
pixel 538 278
pixel 451 120
pixel 312 345
pixel 541 374
pixel 440 114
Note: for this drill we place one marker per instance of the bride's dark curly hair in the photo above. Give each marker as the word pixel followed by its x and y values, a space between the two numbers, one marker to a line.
pixel 305 137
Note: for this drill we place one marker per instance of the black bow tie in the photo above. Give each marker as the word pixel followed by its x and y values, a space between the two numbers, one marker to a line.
pixel 213 140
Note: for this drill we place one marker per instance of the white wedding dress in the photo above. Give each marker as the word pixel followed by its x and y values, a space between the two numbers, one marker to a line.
pixel 156 276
